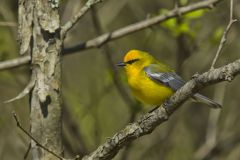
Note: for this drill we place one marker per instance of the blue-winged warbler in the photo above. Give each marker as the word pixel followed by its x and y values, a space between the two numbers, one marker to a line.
pixel 153 82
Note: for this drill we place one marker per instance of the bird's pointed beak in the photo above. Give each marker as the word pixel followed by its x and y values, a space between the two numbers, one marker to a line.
pixel 121 64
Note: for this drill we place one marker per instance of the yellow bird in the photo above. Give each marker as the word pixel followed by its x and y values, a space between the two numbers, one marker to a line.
pixel 153 82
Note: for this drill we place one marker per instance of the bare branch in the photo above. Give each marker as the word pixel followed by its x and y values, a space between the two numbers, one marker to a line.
pixel 224 36
pixel 14 62
pixel 68 25
pixel 148 122
pixel 104 38
pixel 26 90
pixel 99 41
pixel 8 24
pixel 32 138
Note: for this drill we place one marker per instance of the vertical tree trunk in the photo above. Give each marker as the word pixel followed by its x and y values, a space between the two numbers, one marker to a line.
pixel 45 98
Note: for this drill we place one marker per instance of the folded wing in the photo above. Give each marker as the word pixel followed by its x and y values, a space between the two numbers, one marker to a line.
pixel 170 79
pixel 173 81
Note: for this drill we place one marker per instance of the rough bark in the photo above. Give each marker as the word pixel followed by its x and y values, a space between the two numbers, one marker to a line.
pixel 25 21
pixel 45 97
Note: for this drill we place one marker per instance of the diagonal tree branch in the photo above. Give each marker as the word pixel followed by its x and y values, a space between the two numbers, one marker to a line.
pixel 104 38
pixel 148 122
pixel 32 138
pixel 68 25
pixel 110 36
pixel 19 125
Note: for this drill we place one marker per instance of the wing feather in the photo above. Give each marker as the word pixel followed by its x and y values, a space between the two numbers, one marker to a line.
pixel 170 79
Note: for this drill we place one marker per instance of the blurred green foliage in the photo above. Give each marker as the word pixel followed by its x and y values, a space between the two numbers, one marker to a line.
pixel 182 25
pixel 187 43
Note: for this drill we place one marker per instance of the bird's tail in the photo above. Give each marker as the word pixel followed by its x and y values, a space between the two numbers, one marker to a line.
pixel 206 100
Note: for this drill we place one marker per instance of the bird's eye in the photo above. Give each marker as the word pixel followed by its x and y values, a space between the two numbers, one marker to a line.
pixel 132 61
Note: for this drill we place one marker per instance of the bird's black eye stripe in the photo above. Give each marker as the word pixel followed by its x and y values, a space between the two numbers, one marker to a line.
pixel 132 61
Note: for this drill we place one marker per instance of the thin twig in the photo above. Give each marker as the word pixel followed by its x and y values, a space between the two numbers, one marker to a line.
pixel 68 25
pixel 32 138
pixel 124 31
pixel 27 152
pixel 224 36
pixel 25 91
pixel 211 135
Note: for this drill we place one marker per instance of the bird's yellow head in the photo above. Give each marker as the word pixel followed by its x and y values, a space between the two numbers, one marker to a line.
pixel 136 60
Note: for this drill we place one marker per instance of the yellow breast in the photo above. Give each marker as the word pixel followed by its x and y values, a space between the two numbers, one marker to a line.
pixel 147 90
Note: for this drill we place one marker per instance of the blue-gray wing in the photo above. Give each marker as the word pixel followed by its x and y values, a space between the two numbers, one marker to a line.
pixel 170 79
pixel 174 81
